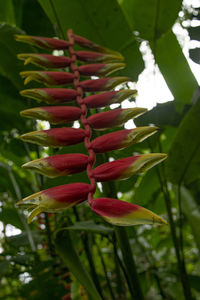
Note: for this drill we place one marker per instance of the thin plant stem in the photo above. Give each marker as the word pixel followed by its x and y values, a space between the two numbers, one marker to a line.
pixel 48 233
pixel 89 256
pixel 180 250
pixel 119 280
pixel 176 242
pixel 180 222
pixel 91 264
pixel 122 267
pixel 106 273
pixel 123 241
pixel 21 215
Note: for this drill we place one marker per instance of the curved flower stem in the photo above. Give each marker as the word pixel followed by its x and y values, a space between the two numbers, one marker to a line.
pixel 83 107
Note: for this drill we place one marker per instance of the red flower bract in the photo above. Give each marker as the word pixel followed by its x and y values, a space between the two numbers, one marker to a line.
pixel 104 61
pixel 51 95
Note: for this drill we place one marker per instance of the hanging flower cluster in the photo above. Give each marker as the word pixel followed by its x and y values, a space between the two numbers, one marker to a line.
pixel 99 62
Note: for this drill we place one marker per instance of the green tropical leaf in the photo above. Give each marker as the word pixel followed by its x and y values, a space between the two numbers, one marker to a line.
pixel 151 18
pixel 183 162
pixel 175 69
pixel 7 12
pixel 66 250
pixel 90 226
pixel 100 21
pixel 192 212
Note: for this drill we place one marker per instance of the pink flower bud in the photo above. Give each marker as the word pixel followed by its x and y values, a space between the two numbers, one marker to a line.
pixel 56 198
pixel 121 139
pixel 126 167
pixel 96 57
pixel 43 42
pixel 55 137
pixel 122 213
pixel 91 45
pixel 107 98
pixel 100 69
pixel 50 95
pixel 115 117
pixel 46 77
pixel 45 60
pixel 58 165
pixel 53 114
pixel 102 84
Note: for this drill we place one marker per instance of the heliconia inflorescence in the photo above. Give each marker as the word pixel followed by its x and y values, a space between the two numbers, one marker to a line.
pixel 99 61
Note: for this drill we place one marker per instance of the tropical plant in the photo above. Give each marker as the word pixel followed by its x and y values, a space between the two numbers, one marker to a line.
pixel 84 152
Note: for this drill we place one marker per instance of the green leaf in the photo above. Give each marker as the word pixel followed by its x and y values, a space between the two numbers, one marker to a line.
pixel 22 239
pixel 195 55
pixel 10 66
pixel 42 27
pixel 90 226
pixel 194 282
pixel 162 115
pixel 11 99
pixel 175 69
pixel 4 268
pixel 71 258
pixel 192 212
pixel 151 18
pixel 183 162
pixel 102 22
pixel 10 216
pixel 194 33
pixel 7 12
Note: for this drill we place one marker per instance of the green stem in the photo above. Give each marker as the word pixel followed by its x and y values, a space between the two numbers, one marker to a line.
pixel 181 263
pixel 89 256
pixel 92 265
pixel 48 233
pixel 118 259
pixel 21 215
pixel 122 238
pixel 180 222
pixel 106 273
pixel 119 281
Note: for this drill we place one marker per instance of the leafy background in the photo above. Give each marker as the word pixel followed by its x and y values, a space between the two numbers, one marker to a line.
pixel 31 258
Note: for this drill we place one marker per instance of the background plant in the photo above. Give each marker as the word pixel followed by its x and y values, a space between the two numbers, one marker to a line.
pixel 30 267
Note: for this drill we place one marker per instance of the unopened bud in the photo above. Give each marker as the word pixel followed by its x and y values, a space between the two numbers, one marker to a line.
pixel 53 114
pixel 58 165
pixel 123 213
pixel 55 137
pixel 115 117
pixel 50 95
pixel 48 77
pixel 43 42
pixel 91 45
pixel 121 139
pixel 99 69
pixel 107 98
pixel 96 57
pixel 126 167
pixel 56 198
pixel 102 84
pixel 45 60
